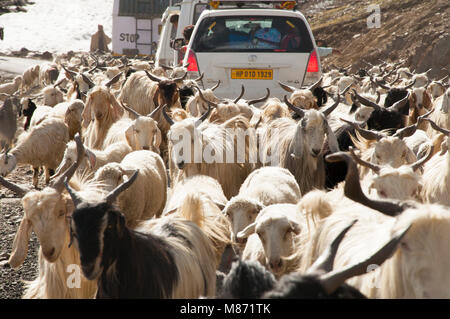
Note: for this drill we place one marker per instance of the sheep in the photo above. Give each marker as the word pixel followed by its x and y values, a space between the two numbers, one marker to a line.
pixel 412 271
pixel 165 258
pixel 100 112
pixel 46 213
pixel 92 160
pixel 43 145
pixel 216 150
pixel 263 187
pixel 10 88
pixel 147 197
pixel 202 196
pixel 298 146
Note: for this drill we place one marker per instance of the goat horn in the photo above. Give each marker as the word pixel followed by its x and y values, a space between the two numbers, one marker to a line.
pixel 318 83
pixel 58 183
pixel 19 190
pixel 263 99
pixel 378 97
pixel 406 131
pixel 324 263
pixel 215 86
pixel 87 80
pixel 395 80
pixel 408 86
pixel 58 83
pixel 333 280
pixel 296 109
pixel 438 128
pixel 95 67
pixel 76 199
pixel 352 188
pixel 287 87
pixel 426 71
pixel 71 74
pixel 203 97
pixel 415 166
pixel 166 116
pixel 111 197
pixel 240 95
pixel 166 67
pixel 153 77
pixel 366 102
pixel 204 116
pixel 130 110
pixel 383 86
pixel 200 77
pixel 399 104
pixel 374 167
pixel 331 108
pixel 181 78
pixel 441 81
pixel 153 113
pixel 113 80
pixel 367 134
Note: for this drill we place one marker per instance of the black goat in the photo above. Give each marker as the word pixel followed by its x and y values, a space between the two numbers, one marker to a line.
pixel 28 113
pixel 171 261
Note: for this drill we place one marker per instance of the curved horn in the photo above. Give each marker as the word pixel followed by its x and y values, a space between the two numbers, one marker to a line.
pixel 166 116
pixel 408 86
pixel 88 81
pixel 333 280
pixel 76 199
pixel 395 80
pixel 367 134
pixel 352 188
pixel 58 83
pixel 383 86
pixel 331 108
pixel 406 131
pixel 58 183
pixel 19 190
pixel 366 102
pixel 374 167
pixel 438 128
pixel 113 80
pixel 215 86
pixel 378 97
pixel 153 77
pixel 111 197
pixel 399 104
pixel 95 66
pixel 166 67
pixel 287 87
pixel 200 77
pixel 318 83
pixel 203 117
pixel 181 78
pixel 240 95
pixel 415 166
pixel 296 109
pixel 262 99
pixel 324 263
pixel 203 97
pixel 71 74
pixel 153 113
pixel 130 110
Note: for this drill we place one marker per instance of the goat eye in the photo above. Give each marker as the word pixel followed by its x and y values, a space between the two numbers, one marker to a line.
pixel 137 131
pixel 404 154
pixel 61 213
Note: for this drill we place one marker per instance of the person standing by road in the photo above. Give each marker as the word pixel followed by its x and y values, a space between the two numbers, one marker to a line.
pixel 100 41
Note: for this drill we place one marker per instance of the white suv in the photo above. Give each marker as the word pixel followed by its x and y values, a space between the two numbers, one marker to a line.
pixel 256 47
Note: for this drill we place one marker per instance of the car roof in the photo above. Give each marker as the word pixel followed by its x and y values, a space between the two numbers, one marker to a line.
pixel 248 11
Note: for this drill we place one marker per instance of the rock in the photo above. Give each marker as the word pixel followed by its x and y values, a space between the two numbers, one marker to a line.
pixel 47 55
pixel 4 264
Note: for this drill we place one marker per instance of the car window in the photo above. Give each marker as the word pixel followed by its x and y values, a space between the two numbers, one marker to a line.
pixel 252 34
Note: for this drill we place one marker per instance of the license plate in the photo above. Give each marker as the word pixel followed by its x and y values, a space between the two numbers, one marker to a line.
pixel 252 74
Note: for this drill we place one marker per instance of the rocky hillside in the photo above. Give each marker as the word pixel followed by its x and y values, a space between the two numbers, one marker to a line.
pixel 415 30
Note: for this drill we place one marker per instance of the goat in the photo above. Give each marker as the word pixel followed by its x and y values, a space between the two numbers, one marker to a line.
pixel 302 98
pixel 166 258
pixel 10 88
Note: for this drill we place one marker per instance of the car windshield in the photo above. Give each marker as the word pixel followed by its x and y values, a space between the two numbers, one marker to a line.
pixel 252 34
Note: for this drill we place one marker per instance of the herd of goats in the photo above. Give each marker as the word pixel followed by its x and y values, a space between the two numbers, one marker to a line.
pixel 348 196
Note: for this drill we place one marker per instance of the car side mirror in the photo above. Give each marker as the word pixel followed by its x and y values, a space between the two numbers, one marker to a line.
pixel 178 43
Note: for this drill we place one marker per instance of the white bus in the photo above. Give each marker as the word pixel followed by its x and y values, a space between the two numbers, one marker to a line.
pixel 136 26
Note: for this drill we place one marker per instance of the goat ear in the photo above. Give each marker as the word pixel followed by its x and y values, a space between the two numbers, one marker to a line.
pixel 116 108
pixel 157 140
pixel 92 159
pixel 70 207
pixel 247 231
pixel 20 244
pixel 130 137
pixel 295 227
pixel 86 115
pixel 427 103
